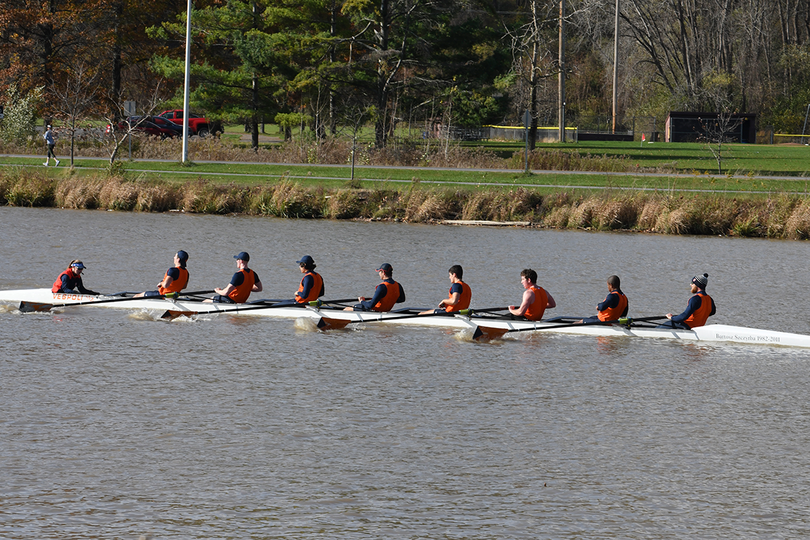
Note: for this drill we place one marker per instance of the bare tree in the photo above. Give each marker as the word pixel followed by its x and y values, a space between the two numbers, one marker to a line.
pixel 532 59
pixel 718 131
pixel 119 132
pixel 75 98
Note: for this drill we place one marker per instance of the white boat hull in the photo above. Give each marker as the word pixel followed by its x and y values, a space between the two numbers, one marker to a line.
pixel 191 307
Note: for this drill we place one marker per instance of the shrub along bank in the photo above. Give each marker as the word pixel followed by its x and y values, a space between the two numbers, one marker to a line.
pixel 778 216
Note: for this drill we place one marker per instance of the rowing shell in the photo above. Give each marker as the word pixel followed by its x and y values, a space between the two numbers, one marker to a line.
pixel 191 307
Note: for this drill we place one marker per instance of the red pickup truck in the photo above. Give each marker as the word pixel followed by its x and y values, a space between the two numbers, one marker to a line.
pixel 197 125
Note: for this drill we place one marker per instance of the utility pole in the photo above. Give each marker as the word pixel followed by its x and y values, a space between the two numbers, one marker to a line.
pixel 616 67
pixel 561 84
pixel 184 158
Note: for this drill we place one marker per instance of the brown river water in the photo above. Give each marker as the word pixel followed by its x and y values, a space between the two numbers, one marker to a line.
pixel 116 425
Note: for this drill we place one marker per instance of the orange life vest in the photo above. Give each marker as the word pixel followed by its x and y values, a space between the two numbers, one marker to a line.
pixel 536 309
pixel 73 279
pixel 177 285
pixel 701 314
pixel 314 292
pixel 464 300
pixel 612 314
pixel 240 294
pixel 390 298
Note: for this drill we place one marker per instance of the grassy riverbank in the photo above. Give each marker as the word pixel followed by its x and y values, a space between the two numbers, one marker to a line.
pixel 775 216
pixel 625 187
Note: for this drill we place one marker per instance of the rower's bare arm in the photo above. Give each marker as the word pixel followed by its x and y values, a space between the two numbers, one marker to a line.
pixel 551 303
pixel 257 287
pixel 452 301
pixel 528 298
pixel 166 282
pixel 226 291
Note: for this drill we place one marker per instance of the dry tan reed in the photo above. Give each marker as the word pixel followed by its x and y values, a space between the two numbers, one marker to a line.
pixel 558 217
pixel 651 210
pixel 76 192
pixel 797 226
pixel 23 188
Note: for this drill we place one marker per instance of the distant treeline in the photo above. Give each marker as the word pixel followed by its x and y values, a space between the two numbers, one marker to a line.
pixel 775 217
pixel 332 66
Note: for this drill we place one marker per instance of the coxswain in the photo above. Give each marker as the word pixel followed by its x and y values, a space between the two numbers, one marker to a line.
pixel 243 282
pixel 387 293
pixel 71 279
pixel 175 279
pixel 536 300
pixel 311 287
pixel 459 296
pixel 613 306
pixel 698 310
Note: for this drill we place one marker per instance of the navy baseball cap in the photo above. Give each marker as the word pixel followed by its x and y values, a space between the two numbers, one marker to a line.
pixel 306 259
pixel 385 267
pixel 243 256
pixel 182 255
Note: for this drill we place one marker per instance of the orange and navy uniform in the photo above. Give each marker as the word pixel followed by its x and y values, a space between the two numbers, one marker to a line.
pixel 242 282
pixel 464 299
pixel 700 308
pixel 67 281
pixel 387 293
pixel 179 280
pixel 613 307
pixel 311 288
pixel 536 309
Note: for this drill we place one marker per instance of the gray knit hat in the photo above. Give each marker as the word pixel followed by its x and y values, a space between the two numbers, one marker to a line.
pixel 701 281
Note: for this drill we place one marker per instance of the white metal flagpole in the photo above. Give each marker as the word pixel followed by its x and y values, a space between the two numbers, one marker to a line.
pixel 186 83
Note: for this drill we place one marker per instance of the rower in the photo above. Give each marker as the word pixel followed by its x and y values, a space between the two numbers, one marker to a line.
pixel 71 279
pixel 387 293
pixel 613 306
pixel 459 296
pixel 698 310
pixel 311 287
pixel 536 300
pixel 243 282
pixel 175 279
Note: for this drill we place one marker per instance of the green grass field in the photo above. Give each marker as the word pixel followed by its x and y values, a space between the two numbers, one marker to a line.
pixel 748 169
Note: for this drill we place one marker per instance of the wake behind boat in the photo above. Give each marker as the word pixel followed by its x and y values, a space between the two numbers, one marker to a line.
pixel 333 317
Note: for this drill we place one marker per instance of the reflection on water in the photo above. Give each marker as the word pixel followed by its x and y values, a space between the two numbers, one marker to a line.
pixel 118 425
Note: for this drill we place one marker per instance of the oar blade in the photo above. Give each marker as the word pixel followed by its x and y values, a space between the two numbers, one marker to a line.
pixel 327 323
pixel 31 307
pixel 488 332
pixel 173 314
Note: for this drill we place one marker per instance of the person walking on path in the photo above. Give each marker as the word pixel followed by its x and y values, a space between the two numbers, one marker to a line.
pixel 49 141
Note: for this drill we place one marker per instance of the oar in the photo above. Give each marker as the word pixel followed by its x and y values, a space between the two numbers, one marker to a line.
pixel 410 316
pixel 482 310
pixel 492 333
pixel 324 323
pixel 28 307
pixel 338 301
pixel 192 293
